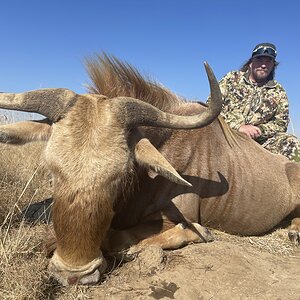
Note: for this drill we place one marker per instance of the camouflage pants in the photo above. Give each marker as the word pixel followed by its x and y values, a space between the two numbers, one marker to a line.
pixel 285 144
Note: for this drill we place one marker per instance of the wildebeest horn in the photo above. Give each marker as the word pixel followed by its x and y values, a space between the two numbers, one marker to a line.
pixel 142 114
pixel 51 103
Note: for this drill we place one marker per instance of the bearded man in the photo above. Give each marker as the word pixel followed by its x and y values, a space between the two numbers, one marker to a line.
pixel 257 105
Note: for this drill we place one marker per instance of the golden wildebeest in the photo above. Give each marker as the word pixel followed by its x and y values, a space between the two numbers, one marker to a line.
pixel 115 183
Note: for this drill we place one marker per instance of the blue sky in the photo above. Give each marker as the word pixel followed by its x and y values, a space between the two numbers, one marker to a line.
pixel 44 43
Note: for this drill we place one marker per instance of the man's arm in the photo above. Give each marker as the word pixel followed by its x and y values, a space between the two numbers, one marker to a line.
pixel 280 120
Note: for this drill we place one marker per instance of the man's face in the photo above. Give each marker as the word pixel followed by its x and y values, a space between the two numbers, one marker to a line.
pixel 260 68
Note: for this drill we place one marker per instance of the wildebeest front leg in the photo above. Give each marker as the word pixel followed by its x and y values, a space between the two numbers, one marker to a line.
pixel 178 236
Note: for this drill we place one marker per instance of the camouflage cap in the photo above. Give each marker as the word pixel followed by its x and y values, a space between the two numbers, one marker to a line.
pixel 265 49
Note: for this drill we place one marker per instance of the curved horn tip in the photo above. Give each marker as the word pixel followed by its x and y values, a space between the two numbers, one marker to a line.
pixel 210 73
pixel 208 68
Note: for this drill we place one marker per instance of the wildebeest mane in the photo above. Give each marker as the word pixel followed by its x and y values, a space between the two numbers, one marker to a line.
pixel 111 77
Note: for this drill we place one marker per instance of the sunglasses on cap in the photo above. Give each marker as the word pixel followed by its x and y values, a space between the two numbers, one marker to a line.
pixel 264 50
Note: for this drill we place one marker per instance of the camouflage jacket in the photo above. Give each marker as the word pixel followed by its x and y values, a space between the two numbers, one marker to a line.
pixel 247 103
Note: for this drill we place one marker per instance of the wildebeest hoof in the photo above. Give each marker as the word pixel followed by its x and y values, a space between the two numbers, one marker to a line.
pixel 204 233
pixel 294 237
pixel 294 231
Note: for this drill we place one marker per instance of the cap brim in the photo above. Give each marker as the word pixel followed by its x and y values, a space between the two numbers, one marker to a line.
pixel 264 54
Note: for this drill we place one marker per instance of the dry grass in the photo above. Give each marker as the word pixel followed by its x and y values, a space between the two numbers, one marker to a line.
pixel 276 242
pixel 23 179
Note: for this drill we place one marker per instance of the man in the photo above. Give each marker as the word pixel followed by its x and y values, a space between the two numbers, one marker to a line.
pixel 257 105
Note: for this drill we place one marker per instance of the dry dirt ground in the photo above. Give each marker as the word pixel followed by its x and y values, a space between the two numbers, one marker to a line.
pixel 228 268
pixel 231 267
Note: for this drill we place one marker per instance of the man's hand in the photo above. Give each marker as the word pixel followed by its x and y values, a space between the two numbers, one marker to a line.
pixel 252 131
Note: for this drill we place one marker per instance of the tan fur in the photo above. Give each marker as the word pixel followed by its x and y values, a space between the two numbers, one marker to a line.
pixel 25 132
pixel 105 200
pixel 85 189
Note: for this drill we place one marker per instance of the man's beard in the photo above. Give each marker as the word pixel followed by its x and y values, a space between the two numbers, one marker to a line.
pixel 260 77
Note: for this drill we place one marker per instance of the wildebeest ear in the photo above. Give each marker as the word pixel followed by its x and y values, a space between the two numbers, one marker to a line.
pixel 148 156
